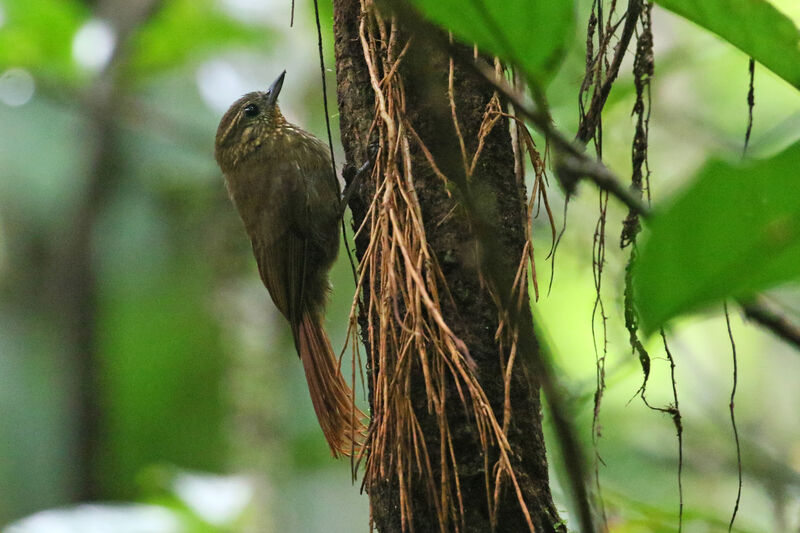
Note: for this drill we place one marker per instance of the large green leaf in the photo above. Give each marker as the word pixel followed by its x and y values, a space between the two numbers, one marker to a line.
pixel 754 26
pixel 731 233
pixel 532 34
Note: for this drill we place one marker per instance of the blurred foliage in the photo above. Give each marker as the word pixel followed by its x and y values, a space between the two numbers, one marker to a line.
pixel 38 35
pixel 153 332
pixel 198 371
pixel 181 337
pixel 186 29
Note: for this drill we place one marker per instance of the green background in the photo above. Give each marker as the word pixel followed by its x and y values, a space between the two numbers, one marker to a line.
pixel 198 371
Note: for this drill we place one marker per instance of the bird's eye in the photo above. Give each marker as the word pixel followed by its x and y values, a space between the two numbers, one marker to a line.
pixel 250 110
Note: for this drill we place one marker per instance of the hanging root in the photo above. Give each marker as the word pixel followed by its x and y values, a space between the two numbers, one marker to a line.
pixel 418 363
pixel 643 69
pixel 598 75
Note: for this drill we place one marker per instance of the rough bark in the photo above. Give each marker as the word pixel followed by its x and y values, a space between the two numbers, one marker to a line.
pixel 486 214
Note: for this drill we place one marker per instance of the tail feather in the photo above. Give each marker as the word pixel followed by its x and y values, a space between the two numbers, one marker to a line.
pixel 341 421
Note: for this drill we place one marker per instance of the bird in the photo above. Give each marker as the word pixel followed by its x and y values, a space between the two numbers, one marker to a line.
pixel 283 184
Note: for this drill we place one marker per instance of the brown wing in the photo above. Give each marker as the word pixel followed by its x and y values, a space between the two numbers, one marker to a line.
pixel 295 231
pixel 279 245
pixel 282 264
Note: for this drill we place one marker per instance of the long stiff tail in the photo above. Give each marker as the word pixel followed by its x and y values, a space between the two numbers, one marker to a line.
pixel 341 421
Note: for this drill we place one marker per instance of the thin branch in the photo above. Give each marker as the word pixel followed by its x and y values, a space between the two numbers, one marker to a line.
pixel 582 166
pixel 773 321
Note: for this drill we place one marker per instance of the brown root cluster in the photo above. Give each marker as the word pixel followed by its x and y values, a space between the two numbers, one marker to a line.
pixel 405 290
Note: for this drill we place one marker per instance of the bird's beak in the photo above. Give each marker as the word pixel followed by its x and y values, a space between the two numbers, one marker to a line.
pixel 275 89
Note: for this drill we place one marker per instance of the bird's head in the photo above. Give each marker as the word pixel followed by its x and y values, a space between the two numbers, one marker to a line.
pixel 249 123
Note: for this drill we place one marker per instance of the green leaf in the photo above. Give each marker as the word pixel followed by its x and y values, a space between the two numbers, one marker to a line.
pixel 734 231
pixel 756 27
pixel 532 34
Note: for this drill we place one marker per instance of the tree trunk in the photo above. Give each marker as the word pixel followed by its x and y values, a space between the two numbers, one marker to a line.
pixel 474 227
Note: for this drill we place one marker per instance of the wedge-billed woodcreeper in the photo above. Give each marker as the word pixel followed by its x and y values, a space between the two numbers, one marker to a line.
pixel 283 184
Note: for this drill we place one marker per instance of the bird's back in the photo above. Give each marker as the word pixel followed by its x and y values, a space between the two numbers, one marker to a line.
pixel 288 198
